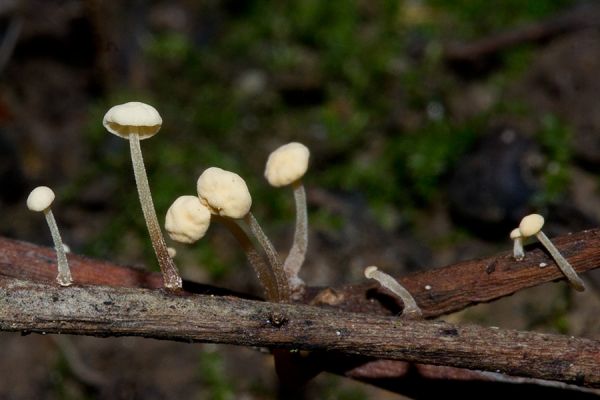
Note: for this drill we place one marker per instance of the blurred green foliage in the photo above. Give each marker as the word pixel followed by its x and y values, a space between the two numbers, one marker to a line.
pixel 355 80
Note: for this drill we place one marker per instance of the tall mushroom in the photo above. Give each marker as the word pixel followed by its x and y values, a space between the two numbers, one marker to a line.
pixel 136 121
pixel 287 165
pixel 39 200
pixel 225 194
pixel 532 225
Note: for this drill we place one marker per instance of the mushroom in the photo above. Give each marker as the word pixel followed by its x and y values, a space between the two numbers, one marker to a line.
pixel 187 219
pixel 136 121
pixel 39 200
pixel 286 166
pixel 518 252
pixel 225 194
pixel 411 309
pixel 532 225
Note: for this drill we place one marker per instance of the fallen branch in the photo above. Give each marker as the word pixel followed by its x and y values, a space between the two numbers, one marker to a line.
pixel 437 291
pixel 105 311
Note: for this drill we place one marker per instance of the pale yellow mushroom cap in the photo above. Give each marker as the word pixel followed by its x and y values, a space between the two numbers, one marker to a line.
pixel 224 193
pixel 187 219
pixel 124 119
pixel 515 234
pixel 287 164
pixel 531 225
pixel 369 271
pixel 40 198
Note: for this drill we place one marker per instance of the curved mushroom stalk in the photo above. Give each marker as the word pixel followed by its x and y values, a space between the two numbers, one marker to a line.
pixel 258 264
pixel 295 259
pixel 169 271
pixel 280 276
pixel 411 309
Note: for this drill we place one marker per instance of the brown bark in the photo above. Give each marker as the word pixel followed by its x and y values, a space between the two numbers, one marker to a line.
pixel 105 311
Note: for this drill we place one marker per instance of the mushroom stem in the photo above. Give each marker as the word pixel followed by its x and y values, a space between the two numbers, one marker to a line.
pixel 297 254
pixel 276 266
pixel 64 273
pixel 261 269
pixel 566 268
pixel 518 251
pixel 411 309
pixel 171 277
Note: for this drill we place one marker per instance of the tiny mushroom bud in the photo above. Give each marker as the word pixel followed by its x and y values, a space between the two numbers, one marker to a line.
pixel 136 121
pixel 532 225
pixel 518 252
pixel 187 219
pixel 411 309
pixel 286 166
pixel 226 195
pixel 172 252
pixel 39 200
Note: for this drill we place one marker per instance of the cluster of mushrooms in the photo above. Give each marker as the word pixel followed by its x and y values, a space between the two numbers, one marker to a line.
pixel 223 196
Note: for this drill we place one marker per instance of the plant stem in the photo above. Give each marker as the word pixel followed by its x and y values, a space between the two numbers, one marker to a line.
pixel 518 252
pixel 64 273
pixel 566 268
pixel 295 259
pixel 411 309
pixel 272 256
pixel 261 269
pixel 171 277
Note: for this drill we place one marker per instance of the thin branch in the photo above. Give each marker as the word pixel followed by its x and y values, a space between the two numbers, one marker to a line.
pixel 437 291
pixel 105 311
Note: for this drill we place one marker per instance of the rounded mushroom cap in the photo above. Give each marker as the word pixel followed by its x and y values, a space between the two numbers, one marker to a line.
pixel 531 225
pixel 287 164
pixel 369 271
pixel 224 193
pixel 187 219
pixel 515 233
pixel 134 116
pixel 40 198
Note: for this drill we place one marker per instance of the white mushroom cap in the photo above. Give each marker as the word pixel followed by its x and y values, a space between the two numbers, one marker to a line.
pixel 225 193
pixel 515 234
pixel 40 198
pixel 124 119
pixel 369 271
pixel 287 164
pixel 187 219
pixel 531 225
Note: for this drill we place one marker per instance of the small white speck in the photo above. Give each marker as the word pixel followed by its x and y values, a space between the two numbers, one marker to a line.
pixel 43 333
pixel 427 287
pixel 338 333
pixel 570 365
pixel 542 265
pixel 494 327
pixel 498 371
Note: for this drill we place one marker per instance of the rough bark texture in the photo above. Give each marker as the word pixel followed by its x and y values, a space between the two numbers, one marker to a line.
pixel 104 311
pixel 437 291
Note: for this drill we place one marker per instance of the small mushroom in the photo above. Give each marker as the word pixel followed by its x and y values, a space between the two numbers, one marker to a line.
pixel 518 252
pixel 136 121
pixel 532 225
pixel 39 200
pixel 411 309
pixel 286 166
pixel 226 194
pixel 187 219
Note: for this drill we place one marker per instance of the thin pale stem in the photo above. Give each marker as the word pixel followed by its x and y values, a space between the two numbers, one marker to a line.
pixel 411 309
pixel 261 269
pixel 276 266
pixel 295 259
pixel 64 273
pixel 518 251
pixel 171 277
pixel 566 268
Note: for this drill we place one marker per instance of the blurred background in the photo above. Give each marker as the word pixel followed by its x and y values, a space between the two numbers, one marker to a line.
pixel 434 127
